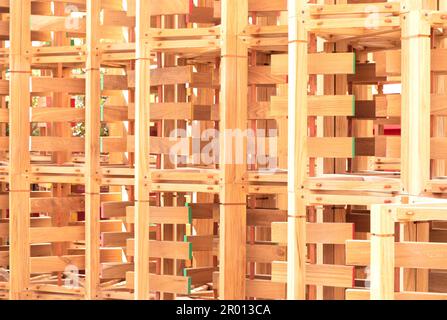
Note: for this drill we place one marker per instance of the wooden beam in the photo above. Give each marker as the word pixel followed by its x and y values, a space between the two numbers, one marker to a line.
pixel 142 146
pixel 92 151
pixel 19 184
pixel 415 119
pixel 298 158
pixel 233 116
pixel 415 102
pixel 382 253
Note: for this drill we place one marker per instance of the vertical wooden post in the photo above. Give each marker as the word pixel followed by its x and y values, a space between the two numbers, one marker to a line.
pixel 298 81
pixel 382 253
pixel 61 100
pixel 415 142
pixel 92 150
pixel 19 170
pixel 415 100
pixel 142 152
pixel 233 116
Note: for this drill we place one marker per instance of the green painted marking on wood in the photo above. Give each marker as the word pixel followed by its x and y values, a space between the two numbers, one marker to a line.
pixel 189 212
pixel 185 274
pixel 189 285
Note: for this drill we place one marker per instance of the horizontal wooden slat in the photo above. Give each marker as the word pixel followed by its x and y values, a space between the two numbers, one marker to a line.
pixel 56 234
pixel 388 63
pixel 200 276
pixel 358 294
pixel 319 63
pixel 164 215
pixel 325 233
pixel 265 217
pixel 419 255
pixel 163 283
pixel 165 249
pixel 55 264
pixel 266 253
pixel 331 147
pixel 319 275
pixel 261 289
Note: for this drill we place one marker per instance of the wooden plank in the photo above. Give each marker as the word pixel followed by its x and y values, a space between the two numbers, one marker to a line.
pixel 115 270
pixel 55 264
pixel 200 276
pixel 331 147
pixel 166 215
pixel 163 283
pixel 422 255
pixel 265 217
pixel 144 79
pixel 319 63
pixel 115 239
pixel 43 85
pixel 164 249
pixel 261 289
pixel 325 233
pixel 19 184
pixel 357 294
pixel 317 274
pixel 233 116
pixel 419 213
pixel 389 62
pixel 56 234
pixel 114 209
pixel 53 204
pixel 266 253
pixel 92 151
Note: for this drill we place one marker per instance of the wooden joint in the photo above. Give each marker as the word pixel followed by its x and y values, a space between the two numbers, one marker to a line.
pixel 298 41
pixel 296 217
pixel 233 56
pixel 416 36
pixel 383 235
pixel 20 71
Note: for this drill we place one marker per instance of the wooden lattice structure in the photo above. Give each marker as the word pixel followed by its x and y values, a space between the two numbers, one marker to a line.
pixel 223 149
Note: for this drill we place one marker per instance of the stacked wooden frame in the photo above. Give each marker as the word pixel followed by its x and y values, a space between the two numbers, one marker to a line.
pixel 111 190
pixel 75 239
pixel 370 168
pixel 420 110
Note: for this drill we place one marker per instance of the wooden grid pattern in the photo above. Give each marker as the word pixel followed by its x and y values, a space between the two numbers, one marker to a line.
pixel 105 193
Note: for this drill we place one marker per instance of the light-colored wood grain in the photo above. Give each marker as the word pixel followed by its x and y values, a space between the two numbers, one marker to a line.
pixel 92 151
pixel 19 183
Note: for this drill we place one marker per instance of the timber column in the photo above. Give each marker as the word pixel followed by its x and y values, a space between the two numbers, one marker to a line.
pixel 298 157
pixel 233 158
pixel 142 151
pixel 415 141
pixel 19 161
pixel 92 151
